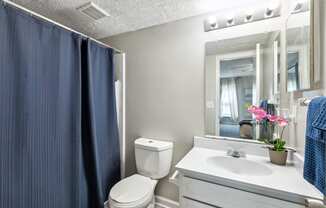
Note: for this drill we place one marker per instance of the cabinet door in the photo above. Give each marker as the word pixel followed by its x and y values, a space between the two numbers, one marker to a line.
pixel 187 203
pixel 226 197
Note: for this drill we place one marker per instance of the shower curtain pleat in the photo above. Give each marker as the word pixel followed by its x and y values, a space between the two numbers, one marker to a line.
pixel 59 145
pixel 99 121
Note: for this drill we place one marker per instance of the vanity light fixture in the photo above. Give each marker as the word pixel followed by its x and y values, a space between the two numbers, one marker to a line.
pixel 212 21
pixel 230 21
pixel 217 21
pixel 298 6
pixel 249 16
pixel 269 12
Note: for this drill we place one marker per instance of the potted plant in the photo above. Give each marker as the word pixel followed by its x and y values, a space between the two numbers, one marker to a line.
pixel 277 151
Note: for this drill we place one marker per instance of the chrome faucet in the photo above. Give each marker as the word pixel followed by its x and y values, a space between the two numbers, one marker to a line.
pixel 236 153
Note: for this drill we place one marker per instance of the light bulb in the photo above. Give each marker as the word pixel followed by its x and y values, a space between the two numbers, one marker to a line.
pixel 298 5
pixel 230 20
pixel 269 13
pixel 212 21
pixel 249 15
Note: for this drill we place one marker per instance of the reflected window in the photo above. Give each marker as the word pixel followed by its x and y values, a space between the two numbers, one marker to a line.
pixel 229 101
pixel 293 72
pixel 237 92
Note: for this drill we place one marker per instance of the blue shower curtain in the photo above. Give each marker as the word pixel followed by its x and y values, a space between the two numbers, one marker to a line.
pixel 59 145
pixel 98 90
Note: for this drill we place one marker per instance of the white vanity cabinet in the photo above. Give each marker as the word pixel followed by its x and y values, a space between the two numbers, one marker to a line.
pixel 207 177
pixel 196 193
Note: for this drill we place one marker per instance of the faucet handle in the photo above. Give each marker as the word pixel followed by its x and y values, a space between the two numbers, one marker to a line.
pixel 236 154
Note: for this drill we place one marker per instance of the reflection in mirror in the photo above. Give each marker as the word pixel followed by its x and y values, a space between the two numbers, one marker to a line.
pixel 238 74
pixel 293 71
pixel 237 91
pixel 298 50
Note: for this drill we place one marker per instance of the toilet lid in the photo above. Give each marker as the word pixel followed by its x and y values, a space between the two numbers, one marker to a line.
pixel 131 189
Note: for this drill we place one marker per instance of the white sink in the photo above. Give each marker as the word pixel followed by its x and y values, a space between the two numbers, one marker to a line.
pixel 240 166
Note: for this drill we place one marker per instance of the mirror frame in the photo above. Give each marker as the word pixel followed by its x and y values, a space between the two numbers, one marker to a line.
pixel 315 43
pixel 277 66
pixel 234 139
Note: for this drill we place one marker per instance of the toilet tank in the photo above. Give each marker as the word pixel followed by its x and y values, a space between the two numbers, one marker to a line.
pixel 153 157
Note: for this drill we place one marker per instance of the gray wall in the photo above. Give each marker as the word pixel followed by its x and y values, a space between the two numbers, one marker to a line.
pixel 164 91
pixel 165 83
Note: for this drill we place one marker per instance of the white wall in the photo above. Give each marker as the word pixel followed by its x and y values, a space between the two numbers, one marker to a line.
pixel 165 83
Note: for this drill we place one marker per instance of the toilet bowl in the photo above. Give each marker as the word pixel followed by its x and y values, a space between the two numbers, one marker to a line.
pixel 153 161
pixel 135 191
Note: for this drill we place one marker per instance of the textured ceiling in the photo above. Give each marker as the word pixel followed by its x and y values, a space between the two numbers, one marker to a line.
pixel 129 15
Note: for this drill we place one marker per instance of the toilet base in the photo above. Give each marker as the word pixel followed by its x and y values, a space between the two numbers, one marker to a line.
pixel 151 205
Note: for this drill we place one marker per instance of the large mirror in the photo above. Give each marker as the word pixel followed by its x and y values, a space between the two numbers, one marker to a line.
pixel 303 72
pixel 238 73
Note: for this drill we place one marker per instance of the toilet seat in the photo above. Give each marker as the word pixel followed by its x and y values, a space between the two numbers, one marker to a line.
pixel 132 192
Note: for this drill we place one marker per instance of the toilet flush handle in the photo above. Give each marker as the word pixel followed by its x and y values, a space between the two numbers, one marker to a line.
pixel 175 178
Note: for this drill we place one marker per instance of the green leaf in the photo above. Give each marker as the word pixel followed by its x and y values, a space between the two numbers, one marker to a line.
pixel 279 144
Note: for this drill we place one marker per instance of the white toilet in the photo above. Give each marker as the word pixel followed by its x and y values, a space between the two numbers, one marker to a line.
pixel 153 161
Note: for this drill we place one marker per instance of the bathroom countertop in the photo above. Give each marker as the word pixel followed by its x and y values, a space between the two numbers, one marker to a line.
pixel 285 182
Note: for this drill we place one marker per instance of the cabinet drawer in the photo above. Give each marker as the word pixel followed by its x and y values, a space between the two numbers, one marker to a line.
pixel 226 197
pixel 186 203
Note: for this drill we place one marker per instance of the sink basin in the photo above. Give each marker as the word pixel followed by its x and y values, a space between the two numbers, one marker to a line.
pixel 239 166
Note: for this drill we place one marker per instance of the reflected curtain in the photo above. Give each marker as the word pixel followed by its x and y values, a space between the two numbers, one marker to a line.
pixel 229 99
pixel 59 143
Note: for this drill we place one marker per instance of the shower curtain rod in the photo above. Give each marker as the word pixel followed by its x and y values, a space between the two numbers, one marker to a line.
pixel 58 24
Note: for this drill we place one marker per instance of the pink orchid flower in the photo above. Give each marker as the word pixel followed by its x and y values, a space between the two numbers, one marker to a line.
pixel 277 119
pixel 252 109
pixel 272 118
pixel 282 122
pixel 255 110
pixel 259 113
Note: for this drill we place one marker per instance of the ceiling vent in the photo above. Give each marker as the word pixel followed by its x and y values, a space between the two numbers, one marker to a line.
pixel 93 11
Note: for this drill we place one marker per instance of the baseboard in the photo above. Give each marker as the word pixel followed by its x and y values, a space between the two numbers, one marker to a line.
pixel 162 202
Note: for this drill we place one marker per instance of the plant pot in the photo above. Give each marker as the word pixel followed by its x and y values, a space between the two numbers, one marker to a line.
pixel 278 157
